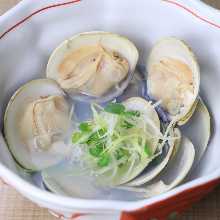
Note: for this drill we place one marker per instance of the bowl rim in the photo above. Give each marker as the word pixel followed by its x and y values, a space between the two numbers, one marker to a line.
pixel 32 191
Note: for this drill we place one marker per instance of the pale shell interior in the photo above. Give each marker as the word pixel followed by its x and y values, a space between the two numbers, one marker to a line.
pixel 125 48
pixel 173 76
pixel 31 159
pixel 149 113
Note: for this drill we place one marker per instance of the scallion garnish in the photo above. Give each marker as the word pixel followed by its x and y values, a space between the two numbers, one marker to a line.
pixel 104 160
pixel 76 137
pixel 108 138
pixel 85 127
pixel 115 108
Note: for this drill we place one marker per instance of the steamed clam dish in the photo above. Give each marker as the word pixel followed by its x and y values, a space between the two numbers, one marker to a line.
pixel 132 139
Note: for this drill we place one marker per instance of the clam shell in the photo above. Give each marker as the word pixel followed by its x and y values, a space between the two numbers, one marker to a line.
pixel 147 174
pixel 187 117
pixel 30 160
pixel 198 129
pixel 110 41
pixel 140 104
pixel 69 180
pixel 173 48
pixel 176 170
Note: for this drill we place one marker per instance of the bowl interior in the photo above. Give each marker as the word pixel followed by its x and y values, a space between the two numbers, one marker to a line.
pixel 25 51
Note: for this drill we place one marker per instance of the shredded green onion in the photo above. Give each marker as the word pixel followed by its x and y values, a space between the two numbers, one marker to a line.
pixel 117 136
pixel 76 137
pixel 85 127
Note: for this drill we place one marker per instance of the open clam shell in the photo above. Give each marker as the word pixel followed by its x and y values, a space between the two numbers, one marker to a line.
pixel 36 118
pixel 188 116
pixel 93 66
pixel 67 179
pixel 150 173
pixel 198 129
pixel 176 170
pixel 124 174
pixel 174 78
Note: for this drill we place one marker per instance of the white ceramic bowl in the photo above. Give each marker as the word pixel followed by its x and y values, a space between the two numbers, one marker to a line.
pixel 24 52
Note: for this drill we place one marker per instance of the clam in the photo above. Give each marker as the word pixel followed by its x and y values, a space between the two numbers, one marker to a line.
pixel 36 121
pixel 93 66
pixel 175 172
pixel 201 123
pixel 70 180
pixel 151 117
pixel 149 174
pixel 174 78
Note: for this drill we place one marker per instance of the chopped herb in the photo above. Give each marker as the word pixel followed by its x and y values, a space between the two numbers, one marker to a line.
pixel 147 150
pixel 115 108
pixel 126 124
pixel 104 160
pixel 96 137
pixel 132 113
pixel 96 151
pixel 76 137
pixel 120 153
pixel 85 127
pixel 119 109
pixel 102 132
pixel 111 142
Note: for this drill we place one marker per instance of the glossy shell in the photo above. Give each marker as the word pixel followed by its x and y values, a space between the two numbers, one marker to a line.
pixel 149 174
pixel 35 154
pixel 149 113
pixel 174 77
pixel 170 177
pixel 89 83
